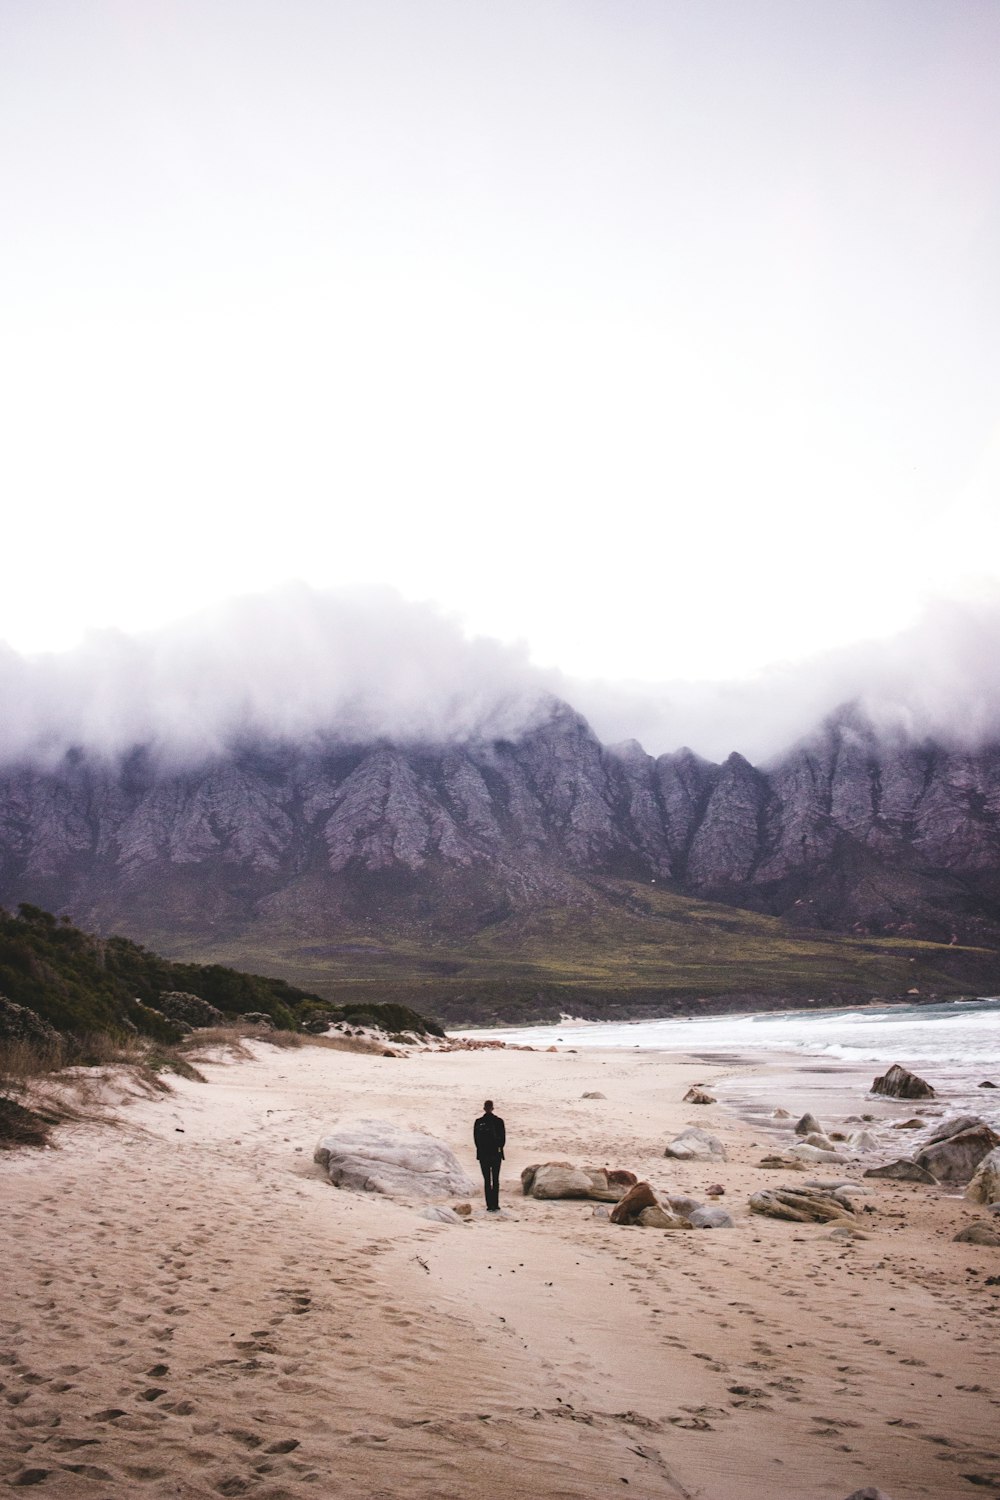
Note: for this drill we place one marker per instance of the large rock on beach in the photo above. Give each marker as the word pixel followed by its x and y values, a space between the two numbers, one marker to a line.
pixel 956 1158
pixel 561 1179
pixel 902 1171
pixel 177 1005
pixel 638 1198
pixel 374 1156
pixel 985 1185
pixel 802 1205
pixel 683 1204
pixel 980 1232
pixel 900 1083
pixel 696 1145
pixel 953 1125
pixel 711 1218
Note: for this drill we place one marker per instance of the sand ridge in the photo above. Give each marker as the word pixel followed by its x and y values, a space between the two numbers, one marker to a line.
pixel 192 1311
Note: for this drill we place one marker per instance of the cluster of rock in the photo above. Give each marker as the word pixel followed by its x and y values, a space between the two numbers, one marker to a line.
pixel 560 1179
pixel 950 1154
pixel 635 1202
pixel 640 1206
pixel 960 1150
pixel 375 1156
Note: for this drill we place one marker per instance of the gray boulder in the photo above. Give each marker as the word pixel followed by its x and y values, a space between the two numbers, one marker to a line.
pixel 981 1232
pixel 902 1171
pixel 180 1006
pixel 837 1185
pixel 985 1185
pixel 900 1083
pixel 816 1153
pixel 696 1145
pixel 956 1158
pixel 711 1218
pixel 953 1125
pixel 374 1156
pixel 683 1204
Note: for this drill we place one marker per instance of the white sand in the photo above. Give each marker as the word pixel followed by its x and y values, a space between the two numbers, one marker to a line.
pixel 190 1310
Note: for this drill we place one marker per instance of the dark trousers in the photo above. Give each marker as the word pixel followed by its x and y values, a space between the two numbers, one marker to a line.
pixel 490 1166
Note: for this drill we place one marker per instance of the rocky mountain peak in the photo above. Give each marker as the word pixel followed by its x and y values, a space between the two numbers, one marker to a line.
pixel 843 831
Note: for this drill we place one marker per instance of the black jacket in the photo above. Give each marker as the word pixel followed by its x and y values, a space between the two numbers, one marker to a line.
pixel 489 1135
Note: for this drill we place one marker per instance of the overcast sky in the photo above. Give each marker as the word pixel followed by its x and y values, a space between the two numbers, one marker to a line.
pixel 659 337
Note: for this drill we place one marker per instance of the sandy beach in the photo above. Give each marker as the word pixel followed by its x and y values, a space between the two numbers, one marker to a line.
pixel 190 1310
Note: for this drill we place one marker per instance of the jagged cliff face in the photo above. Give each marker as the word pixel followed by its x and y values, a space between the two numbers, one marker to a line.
pixel 842 832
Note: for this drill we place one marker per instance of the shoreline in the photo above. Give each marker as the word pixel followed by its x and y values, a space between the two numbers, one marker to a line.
pixel 196 1312
pixel 733 1007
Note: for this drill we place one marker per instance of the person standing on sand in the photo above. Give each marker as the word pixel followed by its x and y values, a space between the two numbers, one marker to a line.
pixel 490 1137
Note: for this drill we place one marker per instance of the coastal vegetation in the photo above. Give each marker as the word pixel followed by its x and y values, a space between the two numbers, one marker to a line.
pixel 69 999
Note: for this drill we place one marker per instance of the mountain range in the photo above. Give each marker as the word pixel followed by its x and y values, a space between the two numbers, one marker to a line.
pixel 498 867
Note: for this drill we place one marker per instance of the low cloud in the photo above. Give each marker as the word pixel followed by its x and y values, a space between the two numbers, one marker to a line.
pixel 295 664
pixel 300 664
pixel 938 680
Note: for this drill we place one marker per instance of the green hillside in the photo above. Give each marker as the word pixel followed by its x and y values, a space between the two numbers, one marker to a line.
pixel 82 985
pixel 622 948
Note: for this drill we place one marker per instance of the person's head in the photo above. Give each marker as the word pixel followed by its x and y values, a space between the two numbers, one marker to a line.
pixel 488 1106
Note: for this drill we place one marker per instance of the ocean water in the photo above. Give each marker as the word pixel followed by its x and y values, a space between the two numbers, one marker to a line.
pixel 956 1034
pixel 955 1046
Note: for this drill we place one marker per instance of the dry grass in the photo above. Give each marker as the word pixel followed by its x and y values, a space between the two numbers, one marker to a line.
pixel 20 1126
pixel 21 1061
pixel 347 1044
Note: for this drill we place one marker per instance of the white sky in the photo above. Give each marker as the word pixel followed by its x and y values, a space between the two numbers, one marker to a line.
pixel 661 336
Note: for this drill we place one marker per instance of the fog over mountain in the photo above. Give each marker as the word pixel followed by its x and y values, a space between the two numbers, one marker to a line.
pixel 297 664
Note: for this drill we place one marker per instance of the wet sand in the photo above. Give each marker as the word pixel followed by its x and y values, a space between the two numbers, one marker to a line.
pixel 190 1310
